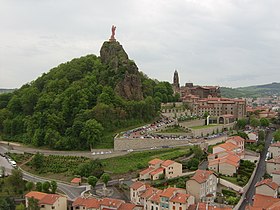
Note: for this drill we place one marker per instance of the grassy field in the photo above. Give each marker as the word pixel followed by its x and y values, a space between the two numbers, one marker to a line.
pixel 64 167
pixel 139 160
pixel 173 129
pixel 203 126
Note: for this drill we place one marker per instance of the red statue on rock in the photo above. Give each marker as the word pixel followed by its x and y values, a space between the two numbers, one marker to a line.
pixel 113 34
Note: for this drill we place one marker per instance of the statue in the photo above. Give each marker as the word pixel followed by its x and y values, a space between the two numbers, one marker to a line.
pixel 113 34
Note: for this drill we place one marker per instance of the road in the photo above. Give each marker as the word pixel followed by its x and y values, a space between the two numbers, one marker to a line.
pixel 260 171
pixel 72 192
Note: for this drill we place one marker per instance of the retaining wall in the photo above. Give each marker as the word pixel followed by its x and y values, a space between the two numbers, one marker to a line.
pixel 210 130
pixel 192 123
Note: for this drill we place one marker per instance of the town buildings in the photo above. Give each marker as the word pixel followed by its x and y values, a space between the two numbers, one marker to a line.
pixel 159 168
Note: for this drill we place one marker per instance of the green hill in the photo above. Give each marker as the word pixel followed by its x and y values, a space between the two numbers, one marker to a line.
pixel 82 103
pixel 252 91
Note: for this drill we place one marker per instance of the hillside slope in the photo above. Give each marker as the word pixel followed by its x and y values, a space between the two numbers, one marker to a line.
pixel 252 91
pixel 81 103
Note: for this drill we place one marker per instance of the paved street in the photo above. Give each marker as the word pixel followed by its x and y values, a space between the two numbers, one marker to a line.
pixel 259 173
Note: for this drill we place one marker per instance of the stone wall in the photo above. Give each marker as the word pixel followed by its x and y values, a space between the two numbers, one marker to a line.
pixel 209 130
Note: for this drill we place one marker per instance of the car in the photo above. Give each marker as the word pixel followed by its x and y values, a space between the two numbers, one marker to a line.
pixel 130 150
pixel 13 163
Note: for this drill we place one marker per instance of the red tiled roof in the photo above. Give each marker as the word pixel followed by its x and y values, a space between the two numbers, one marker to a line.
pixel 87 202
pixel 137 185
pixel 155 161
pixel 49 199
pixel 36 195
pixel 168 192
pixel 148 193
pixel 168 163
pixel 263 201
pixel 180 198
pixel 146 171
pixel 156 196
pixel 201 175
pixel 76 180
pixel 274 160
pixel 204 206
pixel 277 144
pixel 126 206
pixel 227 146
pixel 237 138
pixel 157 171
pixel 269 183
pixel 110 202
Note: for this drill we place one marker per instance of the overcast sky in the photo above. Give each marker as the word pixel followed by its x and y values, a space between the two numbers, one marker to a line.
pixel 210 42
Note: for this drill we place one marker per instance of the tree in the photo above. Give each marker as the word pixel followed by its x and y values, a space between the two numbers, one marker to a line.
pixel 264 122
pixel 92 132
pixel 261 136
pixel 6 204
pixel 242 135
pixel 53 186
pixel 276 135
pixel 92 180
pixel 20 207
pixel 33 204
pixel 39 186
pixel 254 122
pixel 29 186
pixel 241 123
pixel 46 187
pixel 15 180
pixel 105 178
pixel 38 160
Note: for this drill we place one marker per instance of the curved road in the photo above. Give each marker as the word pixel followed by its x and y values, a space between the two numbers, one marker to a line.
pixel 259 173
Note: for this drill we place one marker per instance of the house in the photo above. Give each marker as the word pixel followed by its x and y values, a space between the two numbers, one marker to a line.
pixel 47 201
pixel 228 146
pixel 239 142
pixel 158 168
pixel 110 203
pixel 274 149
pixel 86 204
pixel 135 190
pixel 252 136
pixel 227 163
pixel 203 186
pixel 267 187
pixel 169 198
pixel 273 165
pixel 276 177
pixel 76 181
pixel 207 206
pixel 264 202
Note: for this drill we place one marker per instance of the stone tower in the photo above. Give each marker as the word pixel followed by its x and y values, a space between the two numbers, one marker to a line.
pixel 176 84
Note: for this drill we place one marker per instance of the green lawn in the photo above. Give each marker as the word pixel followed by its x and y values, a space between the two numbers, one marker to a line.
pixel 230 179
pixel 139 160
pixel 173 129
pixel 204 126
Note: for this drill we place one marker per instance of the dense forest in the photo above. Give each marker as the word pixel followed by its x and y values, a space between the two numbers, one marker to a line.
pixel 78 104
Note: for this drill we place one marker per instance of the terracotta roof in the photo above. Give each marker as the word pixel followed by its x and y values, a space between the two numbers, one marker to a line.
pixel 269 183
pixel 43 198
pixel 264 201
pixel 276 172
pixel 180 198
pixel 87 202
pixel 213 162
pixel 168 192
pixel 201 175
pixel 146 171
pixel 148 193
pixel 156 197
pixel 204 206
pixel 277 144
pixel 228 161
pixel 50 199
pixel 237 138
pixel 127 206
pixel 168 163
pixel 157 171
pixel 155 161
pixel 76 180
pixel 227 146
pixel 274 160
pixel 110 202
pixel 36 195
pixel 137 185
